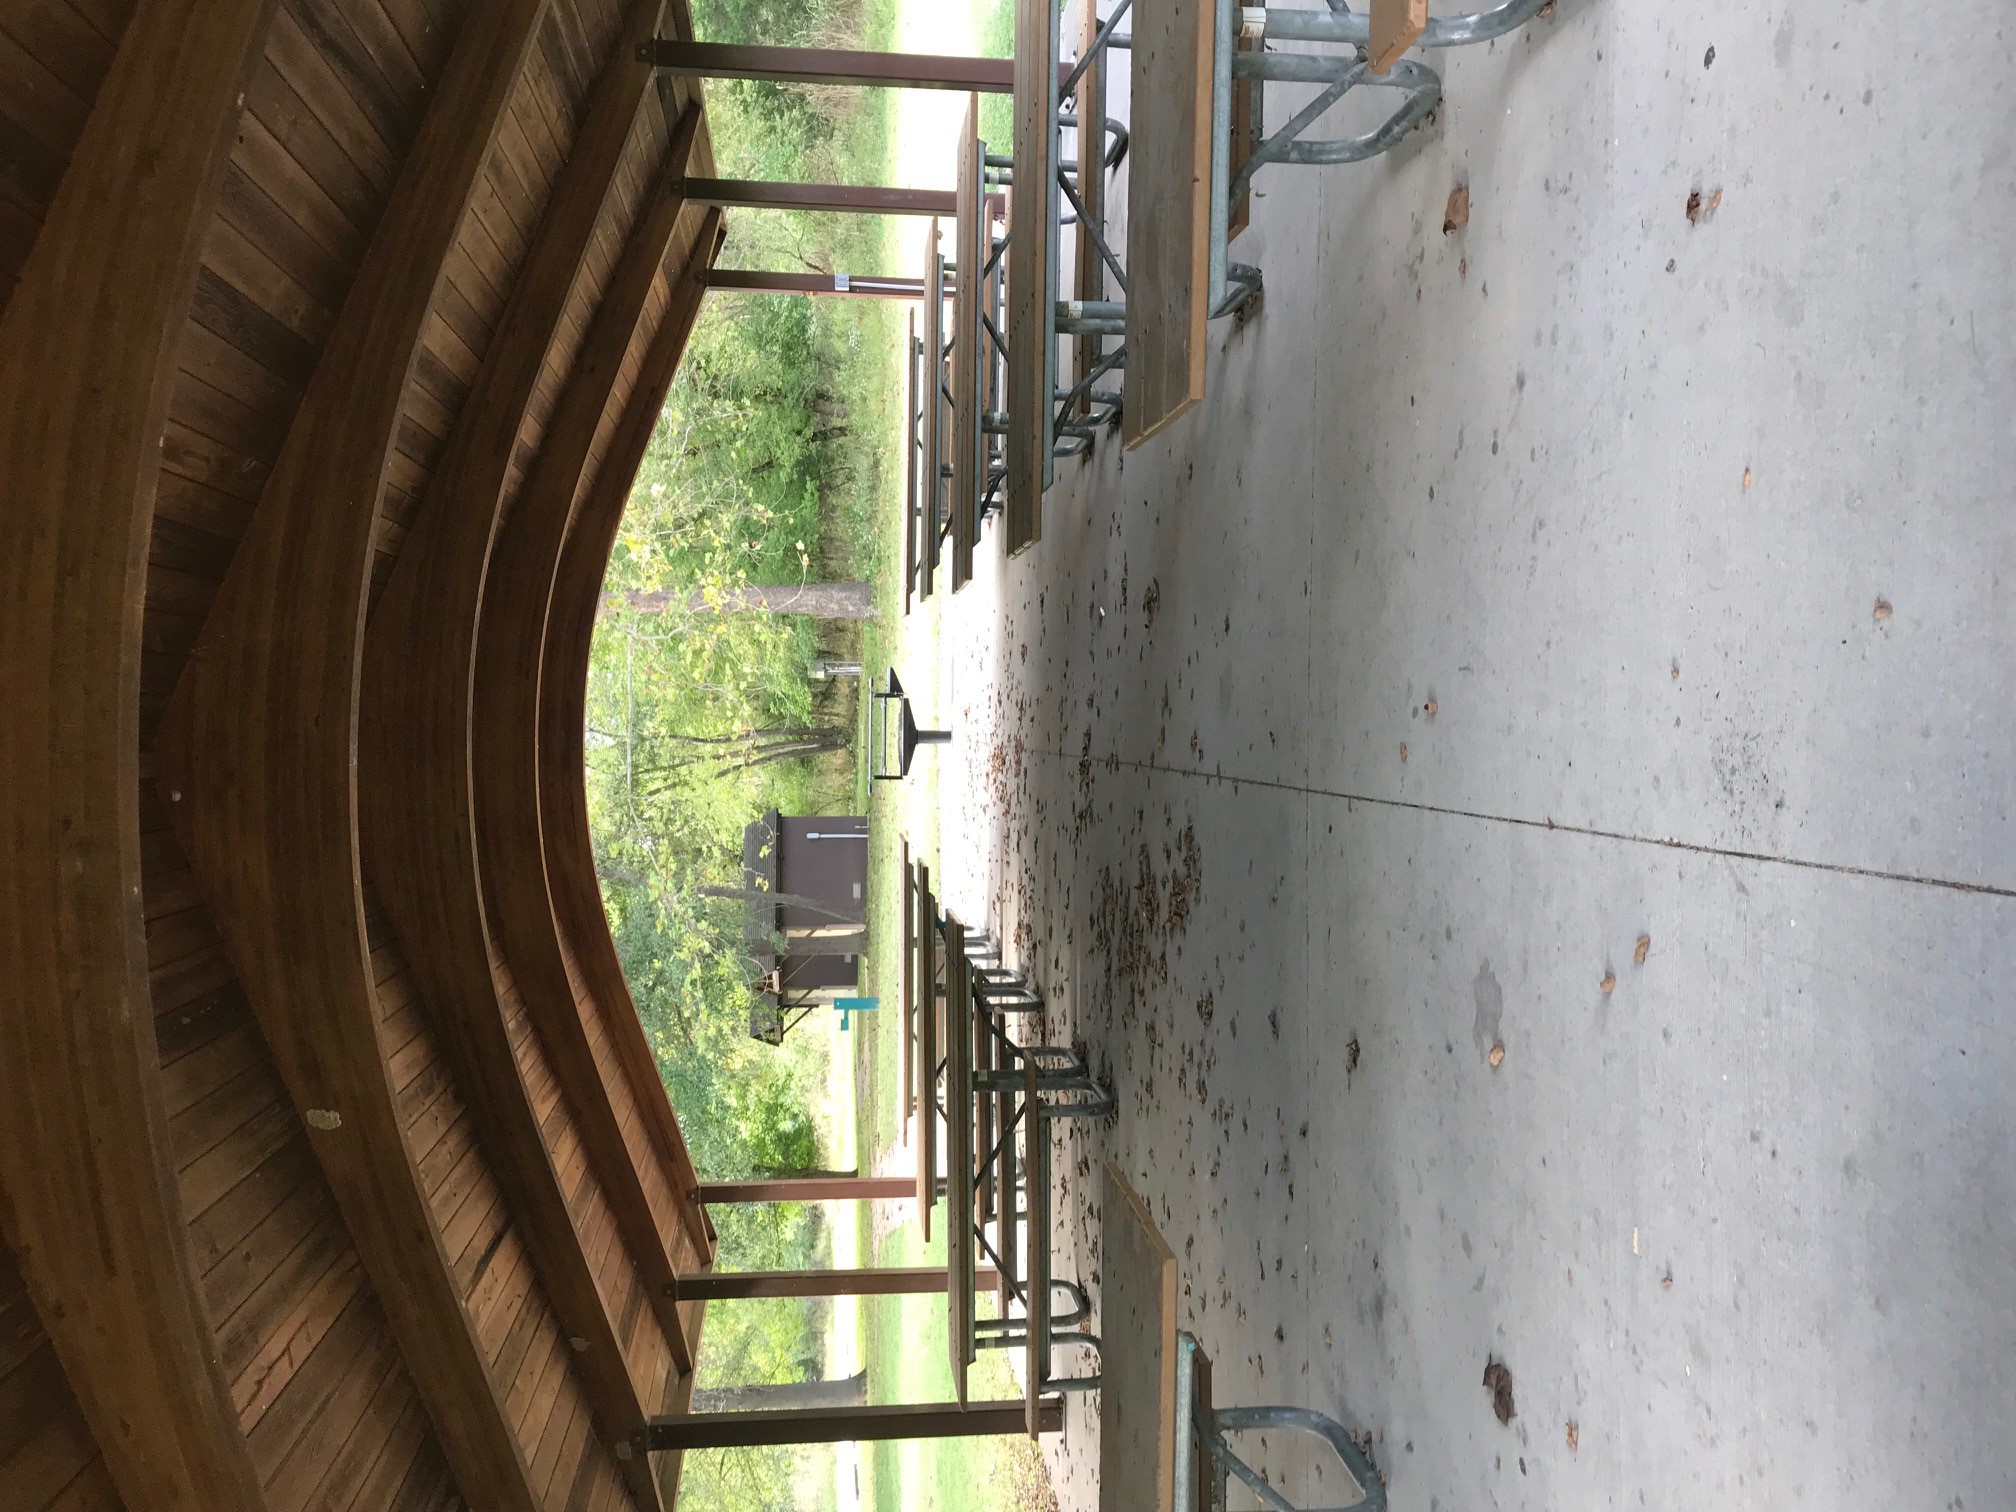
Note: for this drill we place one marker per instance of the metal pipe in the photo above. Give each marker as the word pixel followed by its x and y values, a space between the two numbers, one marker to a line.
pixel 1100 39
pixel 1092 231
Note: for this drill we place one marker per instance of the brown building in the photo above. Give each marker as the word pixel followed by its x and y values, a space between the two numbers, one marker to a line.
pixel 335 1170
pixel 805 883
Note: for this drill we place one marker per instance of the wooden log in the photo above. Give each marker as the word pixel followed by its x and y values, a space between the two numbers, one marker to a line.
pixel 259 744
pixel 417 783
pixel 88 345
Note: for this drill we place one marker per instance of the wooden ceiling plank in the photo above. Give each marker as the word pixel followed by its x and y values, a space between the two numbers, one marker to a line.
pixel 259 744
pixel 563 696
pixel 416 760
pixel 515 606
pixel 87 362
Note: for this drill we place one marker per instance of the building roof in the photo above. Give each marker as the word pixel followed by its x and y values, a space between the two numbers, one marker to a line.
pixel 335 1168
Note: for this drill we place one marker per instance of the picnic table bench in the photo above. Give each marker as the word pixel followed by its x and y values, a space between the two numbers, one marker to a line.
pixel 1162 1439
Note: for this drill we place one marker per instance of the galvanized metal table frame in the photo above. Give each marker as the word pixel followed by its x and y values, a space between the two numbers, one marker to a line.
pixel 1241 66
pixel 1203 1447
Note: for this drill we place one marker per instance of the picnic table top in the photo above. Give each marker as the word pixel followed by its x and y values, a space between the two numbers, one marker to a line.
pixel 1137 1329
pixel 931 388
pixel 927 1050
pixel 1032 266
pixel 1169 189
pixel 958 1158
pixel 969 341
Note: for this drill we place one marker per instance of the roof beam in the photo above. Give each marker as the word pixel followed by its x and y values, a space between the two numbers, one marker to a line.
pixel 416 761
pixel 506 773
pixel 846 199
pixel 88 1194
pixel 563 695
pixel 259 747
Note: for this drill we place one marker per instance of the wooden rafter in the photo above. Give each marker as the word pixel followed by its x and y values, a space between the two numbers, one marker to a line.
pixel 415 755
pixel 563 693
pixel 259 745
pixel 88 1194
pixel 506 775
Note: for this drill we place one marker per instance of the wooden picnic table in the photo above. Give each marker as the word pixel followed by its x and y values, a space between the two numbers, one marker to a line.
pixel 1032 273
pixel 1161 1436
pixel 968 343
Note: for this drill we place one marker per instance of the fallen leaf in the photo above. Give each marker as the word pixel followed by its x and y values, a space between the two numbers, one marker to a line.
pixel 1609 983
pixel 1676 670
pixel 1499 1380
pixel 1498 1054
pixel 1746 477
pixel 1458 213
pixel 1351 1055
pixel 1644 949
pixel 1429 708
pixel 1700 209
pixel 1463 268
pixel 1666 1281
pixel 1574 1437
pixel 1403 750
pixel 1882 611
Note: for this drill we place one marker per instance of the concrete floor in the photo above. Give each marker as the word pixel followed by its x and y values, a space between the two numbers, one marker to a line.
pixel 1578 576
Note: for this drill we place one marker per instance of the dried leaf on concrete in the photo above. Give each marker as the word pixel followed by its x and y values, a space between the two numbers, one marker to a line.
pixel 1644 949
pixel 1700 207
pixel 1609 983
pixel 1882 611
pixel 1498 1054
pixel 1499 1380
pixel 1458 213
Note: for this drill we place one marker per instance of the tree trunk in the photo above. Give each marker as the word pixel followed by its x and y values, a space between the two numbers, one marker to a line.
pixel 836 601
pixel 782 900
pixel 851 1392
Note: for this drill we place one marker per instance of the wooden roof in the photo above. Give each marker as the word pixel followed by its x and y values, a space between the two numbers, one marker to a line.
pixel 335 1169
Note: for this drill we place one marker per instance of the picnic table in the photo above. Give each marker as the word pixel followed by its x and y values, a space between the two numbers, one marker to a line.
pixel 1197 136
pixel 891 717
pixel 1162 1439
pixel 988 1091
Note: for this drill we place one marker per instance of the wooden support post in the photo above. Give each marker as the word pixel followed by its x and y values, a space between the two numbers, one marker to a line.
pixel 258 752
pixel 846 1425
pixel 828 65
pixel 844 199
pixel 808 1189
pixel 885 1281
pixel 89 1201
pixel 856 285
